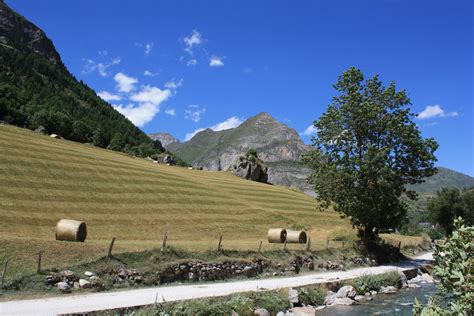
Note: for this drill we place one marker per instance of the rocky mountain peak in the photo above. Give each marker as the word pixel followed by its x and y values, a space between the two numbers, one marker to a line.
pixel 164 138
pixel 17 32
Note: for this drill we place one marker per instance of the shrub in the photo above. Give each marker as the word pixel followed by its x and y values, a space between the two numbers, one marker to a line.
pixel 272 301
pixel 311 296
pixel 240 304
pixel 368 282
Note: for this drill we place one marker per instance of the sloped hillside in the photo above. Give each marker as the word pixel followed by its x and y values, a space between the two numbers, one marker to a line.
pixel 135 200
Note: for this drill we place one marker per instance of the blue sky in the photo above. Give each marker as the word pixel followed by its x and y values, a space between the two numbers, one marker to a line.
pixel 179 66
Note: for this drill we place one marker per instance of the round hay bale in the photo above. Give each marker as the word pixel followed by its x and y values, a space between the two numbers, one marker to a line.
pixel 71 230
pixel 296 237
pixel 276 235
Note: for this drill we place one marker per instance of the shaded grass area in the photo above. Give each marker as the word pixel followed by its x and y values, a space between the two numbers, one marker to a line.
pixel 134 200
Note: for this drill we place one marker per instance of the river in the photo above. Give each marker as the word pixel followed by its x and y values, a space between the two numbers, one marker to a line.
pixel 399 304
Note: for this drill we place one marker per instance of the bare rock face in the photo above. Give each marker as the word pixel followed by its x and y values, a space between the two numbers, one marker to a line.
pixel 250 170
pixel 164 138
pixel 16 31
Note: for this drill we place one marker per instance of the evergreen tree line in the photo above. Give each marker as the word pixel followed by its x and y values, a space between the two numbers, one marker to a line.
pixel 35 92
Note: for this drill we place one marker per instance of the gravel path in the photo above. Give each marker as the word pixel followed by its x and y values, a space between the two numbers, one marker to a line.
pixel 120 299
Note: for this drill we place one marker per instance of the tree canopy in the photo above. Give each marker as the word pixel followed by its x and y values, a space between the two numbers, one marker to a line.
pixel 367 148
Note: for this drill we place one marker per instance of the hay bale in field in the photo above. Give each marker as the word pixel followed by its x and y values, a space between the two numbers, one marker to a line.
pixel 276 235
pixel 296 237
pixel 71 230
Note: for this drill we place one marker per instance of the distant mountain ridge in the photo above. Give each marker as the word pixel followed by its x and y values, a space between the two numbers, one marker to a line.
pixel 444 178
pixel 164 138
pixel 278 145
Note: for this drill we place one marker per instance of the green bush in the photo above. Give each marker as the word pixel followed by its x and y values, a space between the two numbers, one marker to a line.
pixel 311 296
pixel 241 304
pixel 368 282
pixel 272 301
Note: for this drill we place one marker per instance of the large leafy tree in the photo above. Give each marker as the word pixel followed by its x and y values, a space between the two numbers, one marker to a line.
pixel 366 150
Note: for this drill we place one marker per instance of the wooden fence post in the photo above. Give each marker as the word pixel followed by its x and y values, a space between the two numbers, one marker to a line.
pixel 399 245
pixel 308 244
pixel 165 239
pixel 38 262
pixel 284 245
pixel 327 244
pixel 259 247
pixel 219 244
pixel 109 255
pixel 5 265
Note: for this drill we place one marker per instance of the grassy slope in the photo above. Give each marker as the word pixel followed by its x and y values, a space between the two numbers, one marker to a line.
pixel 44 179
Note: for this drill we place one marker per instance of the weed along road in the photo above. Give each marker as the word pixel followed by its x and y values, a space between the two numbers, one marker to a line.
pixel 148 296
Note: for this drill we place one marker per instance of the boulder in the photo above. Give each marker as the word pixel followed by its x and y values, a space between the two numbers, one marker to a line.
pixel 427 278
pixel 261 312
pixel 330 298
pixel 413 286
pixel 388 289
pixel 84 284
pixel 88 274
pixel 293 296
pixel 250 170
pixel 404 279
pixel 64 287
pixel 344 301
pixel 346 291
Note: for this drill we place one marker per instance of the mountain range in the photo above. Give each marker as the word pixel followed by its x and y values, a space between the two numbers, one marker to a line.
pixel 280 147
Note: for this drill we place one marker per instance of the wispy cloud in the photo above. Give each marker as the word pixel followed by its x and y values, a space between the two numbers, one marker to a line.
pixel 147 47
pixel 194 113
pixel 174 84
pixel 192 62
pixel 124 82
pixel 91 65
pixel 231 122
pixel 192 41
pixel 432 111
pixel 310 130
pixel 150 74
pixel 216 61
pixel 170 112
pixel 107 96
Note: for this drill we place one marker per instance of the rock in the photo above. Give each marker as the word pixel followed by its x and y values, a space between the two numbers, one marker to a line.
pixel 344 301
pixel 346 291
pixel 84 284
pixel 88 274
pixel 330 298
pixel 41 130
pixel 388 289
pixel 318 308
pixel 261 312
pixel 68 275
pixel 403 278
pixel 359 298
pixel 413 286
pixel 52 279
pixel 427 278
pixel 304 311
pixel 248 169
pixel 293 296
pixel 372 293
pixel 64 287
pixel 76 285
pixel 280 313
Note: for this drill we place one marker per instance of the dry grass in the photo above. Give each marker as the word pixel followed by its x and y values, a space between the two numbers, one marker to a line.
pixel 44 180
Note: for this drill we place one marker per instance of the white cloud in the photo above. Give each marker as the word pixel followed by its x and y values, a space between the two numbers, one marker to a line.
pixel 150 74
pixel 194 40
pixel 231 122
pixel 107 96
pixel 153 95
pixel 174 84
pixel 124 82
pixel 91 65
pixel 194 113
pixel 149 100
pixel 435 111
pixel 148 48
pixel 171 112
pixel 216 61
pixel 310 130
pixel 192 62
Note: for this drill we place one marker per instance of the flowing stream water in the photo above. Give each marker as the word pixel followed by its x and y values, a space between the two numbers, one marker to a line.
pixel 399 304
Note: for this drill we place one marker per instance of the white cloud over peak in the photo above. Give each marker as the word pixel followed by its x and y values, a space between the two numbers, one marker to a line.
pixel 194 112
pixel 432 111
pixel 231 122
pixel 171 112
pixel 310 130
pixel 124 82
pixel 216 61
pixel 107 96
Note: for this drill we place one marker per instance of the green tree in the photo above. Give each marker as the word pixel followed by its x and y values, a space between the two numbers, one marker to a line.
pixel 366 150
pixel 454 269
pixel 99 138
pixel 448 205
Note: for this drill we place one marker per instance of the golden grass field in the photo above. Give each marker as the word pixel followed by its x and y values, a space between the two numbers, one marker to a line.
pixel 134 200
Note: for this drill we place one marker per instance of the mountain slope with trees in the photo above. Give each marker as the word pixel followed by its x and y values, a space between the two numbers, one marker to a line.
pixel 36 90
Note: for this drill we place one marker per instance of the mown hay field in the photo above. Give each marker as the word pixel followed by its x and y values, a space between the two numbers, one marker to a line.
pixel 43 180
